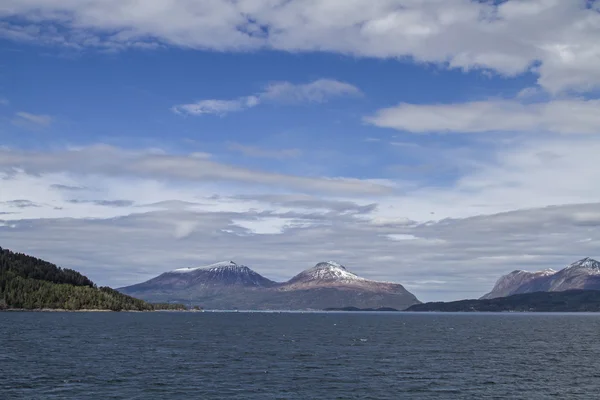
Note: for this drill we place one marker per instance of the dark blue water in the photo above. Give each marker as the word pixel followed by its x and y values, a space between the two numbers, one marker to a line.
pixel 298 356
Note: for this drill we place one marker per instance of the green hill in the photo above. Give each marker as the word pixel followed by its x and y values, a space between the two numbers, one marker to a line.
pixel 567 301
pixel 30 283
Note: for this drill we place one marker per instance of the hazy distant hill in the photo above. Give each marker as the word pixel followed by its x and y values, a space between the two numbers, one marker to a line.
pixel 227 285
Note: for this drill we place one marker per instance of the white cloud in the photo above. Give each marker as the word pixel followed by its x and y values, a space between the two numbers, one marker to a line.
pixel 266 225
pixel 111 161
pixel 555 39
pixel 216 107
pixel 37 119
pixel 530 173
pixel 317 91
pixel 545 171
pixel 401 236
pixel 557 116
pixel 4 101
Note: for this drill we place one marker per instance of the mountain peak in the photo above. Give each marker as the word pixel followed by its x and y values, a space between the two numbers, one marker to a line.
pixel 330 264
pixel 224 264
pixel 221 273
pixel 586 262
pixel 326 271
pixel 547 271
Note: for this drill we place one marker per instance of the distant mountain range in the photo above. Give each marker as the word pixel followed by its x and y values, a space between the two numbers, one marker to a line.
pixel 30 283
pixel 564 301
pixel 573 288
pixel 227 285
pixel 583 274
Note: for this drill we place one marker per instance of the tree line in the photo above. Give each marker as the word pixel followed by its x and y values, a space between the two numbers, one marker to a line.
pixel 30 267
pixel 30 283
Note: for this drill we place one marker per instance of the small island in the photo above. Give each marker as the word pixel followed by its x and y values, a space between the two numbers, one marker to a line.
pixel 566 301
pixel 28 283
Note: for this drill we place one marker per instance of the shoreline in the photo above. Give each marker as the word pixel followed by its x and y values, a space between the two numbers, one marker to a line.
pixel 84 310
pixel 51 310
pixel 399 312
pixel 61 310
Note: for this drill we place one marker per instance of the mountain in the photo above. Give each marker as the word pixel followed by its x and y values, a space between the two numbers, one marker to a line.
pixel 563 301
pixel 227 285
pixel 582 274
pixel 519 282
pixel 30 283
pixel 225 273
pixel 325 274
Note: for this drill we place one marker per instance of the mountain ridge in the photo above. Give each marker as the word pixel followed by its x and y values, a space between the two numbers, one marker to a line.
pixel 559 301
pixel 227 285
pixel 581 274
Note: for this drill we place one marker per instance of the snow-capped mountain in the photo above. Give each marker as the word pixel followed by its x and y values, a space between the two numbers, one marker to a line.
pixel 333 274
pixel 582 274
pixel 325 273
pixel 225 273
pixel 227 285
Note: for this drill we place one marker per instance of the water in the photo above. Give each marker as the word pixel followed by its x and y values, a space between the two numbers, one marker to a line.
pixel 298 356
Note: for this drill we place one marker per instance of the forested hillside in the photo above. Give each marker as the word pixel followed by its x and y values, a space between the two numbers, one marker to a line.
pixel 30 283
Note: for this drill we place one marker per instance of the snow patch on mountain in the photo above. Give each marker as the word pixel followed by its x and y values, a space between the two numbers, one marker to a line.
pixel 215 266
pixel 334 264
pixel 218 274
pixel 546 272
pixel 543 272
pixel 587 263
pixel 331 270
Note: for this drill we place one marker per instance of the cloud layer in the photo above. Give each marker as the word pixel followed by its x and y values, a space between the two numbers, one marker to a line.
pixel 124 227
pixel 135 247
pixel 555 39
pixel 194 167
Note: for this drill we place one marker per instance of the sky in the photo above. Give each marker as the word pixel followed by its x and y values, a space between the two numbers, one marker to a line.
pixel 435 143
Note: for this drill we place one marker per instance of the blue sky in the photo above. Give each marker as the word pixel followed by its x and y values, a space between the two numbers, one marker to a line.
pixel 125 99
pixel 423 142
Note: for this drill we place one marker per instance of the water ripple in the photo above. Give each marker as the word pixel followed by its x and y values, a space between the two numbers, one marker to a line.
pixel 297 356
